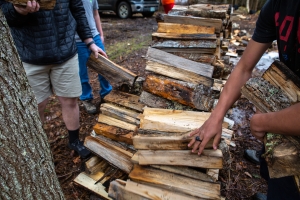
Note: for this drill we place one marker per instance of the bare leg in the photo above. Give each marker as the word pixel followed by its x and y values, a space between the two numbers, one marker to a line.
pixel 41 108
pixel 70 112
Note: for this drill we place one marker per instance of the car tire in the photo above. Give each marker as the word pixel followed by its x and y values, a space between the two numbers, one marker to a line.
pixel 147 14
pixel 124 10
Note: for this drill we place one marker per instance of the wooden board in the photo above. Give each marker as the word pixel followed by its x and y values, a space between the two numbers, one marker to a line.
pixel 113 154
pixel 44 4
pixel 84 180
pixel 113 73
pixel 115 122
pixel 120 113
pixel 197 21
pixel 174 182
pixel 113 133
pixel 177 73
pixel 210 159
pixel 124 99
pixel 194 95
pixel 179 63
pixel 157 36
pixel 199 13
pixel 184 29
pixel 197 57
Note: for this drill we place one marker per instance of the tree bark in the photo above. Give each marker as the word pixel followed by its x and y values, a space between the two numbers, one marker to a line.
pixel 27 170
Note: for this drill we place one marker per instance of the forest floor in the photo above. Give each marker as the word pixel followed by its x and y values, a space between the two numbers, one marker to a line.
pixel 126 43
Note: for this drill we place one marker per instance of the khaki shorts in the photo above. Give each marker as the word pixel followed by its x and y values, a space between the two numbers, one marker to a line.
pixel 63 79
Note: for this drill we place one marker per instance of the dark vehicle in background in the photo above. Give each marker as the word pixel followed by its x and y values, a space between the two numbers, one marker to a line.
pixel 125 8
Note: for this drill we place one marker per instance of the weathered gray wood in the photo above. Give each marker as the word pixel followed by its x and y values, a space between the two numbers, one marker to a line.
pixel 197 57
pixel 199 21
pixel 44 4
pixel 113 73
pixel 178 62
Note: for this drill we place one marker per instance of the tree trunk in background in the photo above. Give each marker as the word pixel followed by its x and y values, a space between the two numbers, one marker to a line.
pixel 27 169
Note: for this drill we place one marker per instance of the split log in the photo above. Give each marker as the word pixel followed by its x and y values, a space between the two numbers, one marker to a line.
pixel 113 73
pixel 158 36
pixel 214 173
pixel 95 164
pixel 197 21
pixel 110 151
pixel 113 133
pixel 120 113
pixel 193 95
pixel 174 182
pixel 200 13
pixel 115 122
pixel 210 159
pixel 44 4
pixel 184 29
pixel 197 57
pixel 155 192
pixel 179 63
pixel 281 76
pixel 124 99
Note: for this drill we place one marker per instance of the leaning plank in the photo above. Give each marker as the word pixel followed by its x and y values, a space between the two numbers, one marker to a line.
pixel 113 133
pixel 184 29
pixel 84 180
pixel 178 73
pixel 198 21
pixel 279 75
pixel 155 192
pixel 210 159
pixel 124 99
pixel 197 57
pixel 115 74
pixel 174 182
pixel 44 4
pixel 117 191
pixel 185 171
pixel 115 155
pixel 179 63
pixel 115 122
pixel 194 95
pixel 120 113
pixel 157 36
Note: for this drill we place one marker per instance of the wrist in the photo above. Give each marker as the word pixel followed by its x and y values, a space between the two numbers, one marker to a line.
pixel 90 43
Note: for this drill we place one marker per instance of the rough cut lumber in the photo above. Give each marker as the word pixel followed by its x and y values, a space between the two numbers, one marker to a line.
pixel 113 133
pixel 44 4
pixel 115 122
pixel 158 36
pixel 120 113
pixel 155 192
pixel 197 21
pixel 174 182
pixel 210 159
pixel 124 99
pixel 179 63
pixel 177 73
pixel 197 57
pixel 281 76
pixel 115 74
pixel 184 29
pixel 113 154
pixel 84 180
pixel 117 191
pixel 185 171
pixel 154 101
pixel 194 95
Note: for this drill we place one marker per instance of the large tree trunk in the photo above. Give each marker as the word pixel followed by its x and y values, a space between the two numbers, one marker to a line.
pixel 27 170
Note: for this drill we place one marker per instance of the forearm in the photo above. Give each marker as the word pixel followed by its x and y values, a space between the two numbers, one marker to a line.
pixel 98 22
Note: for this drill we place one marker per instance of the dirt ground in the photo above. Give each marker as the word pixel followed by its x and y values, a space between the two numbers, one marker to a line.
pixel 126 43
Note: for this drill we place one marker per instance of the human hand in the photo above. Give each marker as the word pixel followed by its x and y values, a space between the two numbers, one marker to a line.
pixel 31 7
pixel 211 128
pixel 96 50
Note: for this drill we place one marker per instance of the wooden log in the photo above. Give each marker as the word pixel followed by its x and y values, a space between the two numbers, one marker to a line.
pixel 113 73
pixel 154 101
pixel 197 21
pixel 155 192
pixel 184 29
pixel 120 113
pixel 95 164
pixel 84 180
pixel 44 4
pixel 115 155
pixel 210 159
pixel 117 191
pixel 279 75
pixel 177 73
pixel 159 36
pixel 196 96
pixel 115 122
pixel 185 171
pixel 199 13
pixel 124 99
pixel 179 63
pixel 174 182
pixel 113 133
pixel 197 57
pixel 214 173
